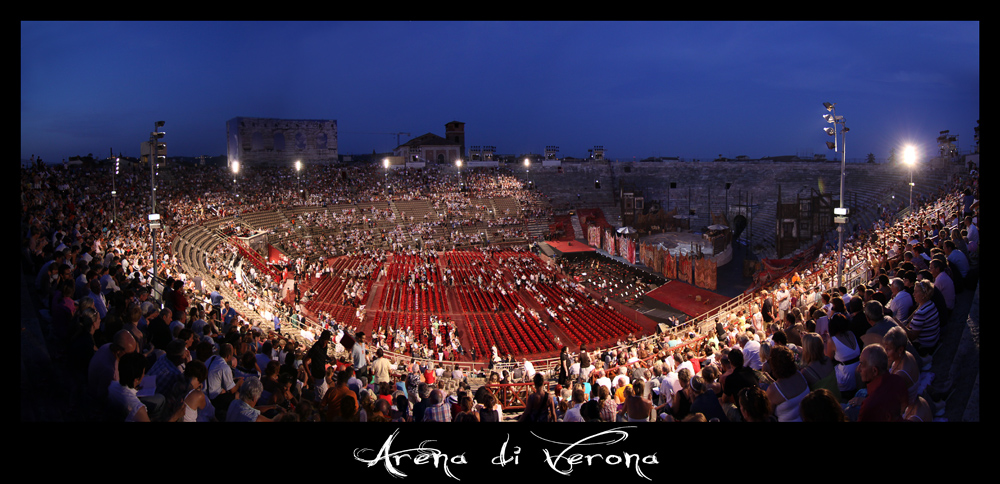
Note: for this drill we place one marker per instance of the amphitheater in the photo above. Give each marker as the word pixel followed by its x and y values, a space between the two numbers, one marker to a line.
pixel 435 272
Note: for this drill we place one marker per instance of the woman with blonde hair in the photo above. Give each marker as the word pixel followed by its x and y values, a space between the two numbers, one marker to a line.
pixel 818 369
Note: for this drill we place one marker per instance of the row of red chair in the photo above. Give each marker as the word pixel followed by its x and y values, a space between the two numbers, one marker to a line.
pixel 401 297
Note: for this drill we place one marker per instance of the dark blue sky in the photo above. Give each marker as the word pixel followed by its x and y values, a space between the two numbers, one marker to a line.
pixel 688 89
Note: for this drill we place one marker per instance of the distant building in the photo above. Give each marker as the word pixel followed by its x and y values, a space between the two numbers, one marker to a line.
pixel 431 148
pixel 271 141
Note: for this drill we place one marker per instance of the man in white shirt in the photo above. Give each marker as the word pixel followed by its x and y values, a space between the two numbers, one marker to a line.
pixel 943 282
pixel 220 374
pixel 751 352
pixel 620 376
pixel 602 380
pixel 901 303
pixel 784 299
pixel 529 370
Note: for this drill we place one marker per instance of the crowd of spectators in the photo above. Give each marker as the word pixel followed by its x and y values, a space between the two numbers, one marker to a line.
pixel 802 349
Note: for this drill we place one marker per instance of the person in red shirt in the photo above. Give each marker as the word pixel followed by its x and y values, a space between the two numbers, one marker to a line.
pixel 887 393
pixel 180 299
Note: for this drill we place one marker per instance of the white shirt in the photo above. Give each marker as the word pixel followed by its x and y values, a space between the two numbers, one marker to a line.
pixel 220 377
pixel 751 355
pixel 901 304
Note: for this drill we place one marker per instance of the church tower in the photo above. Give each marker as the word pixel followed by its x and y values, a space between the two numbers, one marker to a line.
pixel 454 132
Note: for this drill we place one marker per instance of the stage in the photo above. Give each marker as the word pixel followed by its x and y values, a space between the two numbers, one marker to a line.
pixel 685 298
pixel 559 248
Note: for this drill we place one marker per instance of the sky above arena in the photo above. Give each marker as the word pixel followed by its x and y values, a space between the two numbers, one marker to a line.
pixel 689 89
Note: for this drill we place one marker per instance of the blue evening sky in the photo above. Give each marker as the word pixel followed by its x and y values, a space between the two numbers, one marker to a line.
pixel 690 89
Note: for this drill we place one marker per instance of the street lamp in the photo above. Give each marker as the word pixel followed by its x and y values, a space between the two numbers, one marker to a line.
pixel 841 219
pixel 458 164
pixel 910 158
pixel 527 170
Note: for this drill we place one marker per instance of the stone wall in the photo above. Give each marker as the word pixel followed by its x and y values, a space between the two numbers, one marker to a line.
pixel 702 186
pixel 274 141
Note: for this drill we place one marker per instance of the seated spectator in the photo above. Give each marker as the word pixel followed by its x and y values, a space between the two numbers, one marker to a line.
pixel 843 347
pixel 819 370
pixel 637 407
pixel 924 326
pixel 886 399
pixel 901 362
pixel 243 409
pixel 195 406
pixel 122 393
pixel 789 387
pixel 754 405
pixel 821 405
pixel 705 400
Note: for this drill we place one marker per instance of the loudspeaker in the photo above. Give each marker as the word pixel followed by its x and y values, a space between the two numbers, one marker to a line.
pixel 728 185
pixel 673 184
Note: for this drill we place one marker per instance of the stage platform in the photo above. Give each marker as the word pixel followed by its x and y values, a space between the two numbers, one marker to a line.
pixel 558 248
pixel 685 298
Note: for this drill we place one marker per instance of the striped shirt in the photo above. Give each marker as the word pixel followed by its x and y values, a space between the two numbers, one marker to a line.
pixel 925 320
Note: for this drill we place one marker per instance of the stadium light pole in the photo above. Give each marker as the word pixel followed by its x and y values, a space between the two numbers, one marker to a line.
pixel 114 193
pixel 910 158
pixel 154 218
pixel 458 164
pixel 385 188
pixel 235 167
pixel 841 218
pixel 298 180
pixel 527 170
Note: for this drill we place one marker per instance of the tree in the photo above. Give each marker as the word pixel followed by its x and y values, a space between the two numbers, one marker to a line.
pixel 892 156
pixel 871 158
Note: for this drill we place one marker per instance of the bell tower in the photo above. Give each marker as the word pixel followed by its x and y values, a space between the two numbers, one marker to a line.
pixel 454 132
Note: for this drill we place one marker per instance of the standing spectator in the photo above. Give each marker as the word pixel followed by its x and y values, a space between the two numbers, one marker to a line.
pixel 540 406
pixel 381 368
pixel 784 299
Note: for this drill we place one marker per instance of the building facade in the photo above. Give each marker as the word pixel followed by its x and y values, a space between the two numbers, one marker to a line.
pixel 272 141
pixel 431 148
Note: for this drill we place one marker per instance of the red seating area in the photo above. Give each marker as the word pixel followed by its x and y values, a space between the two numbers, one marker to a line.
pixel 329 295
pixel 391 321
pixel 402 297
pixel 489 313
pixel 587 323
